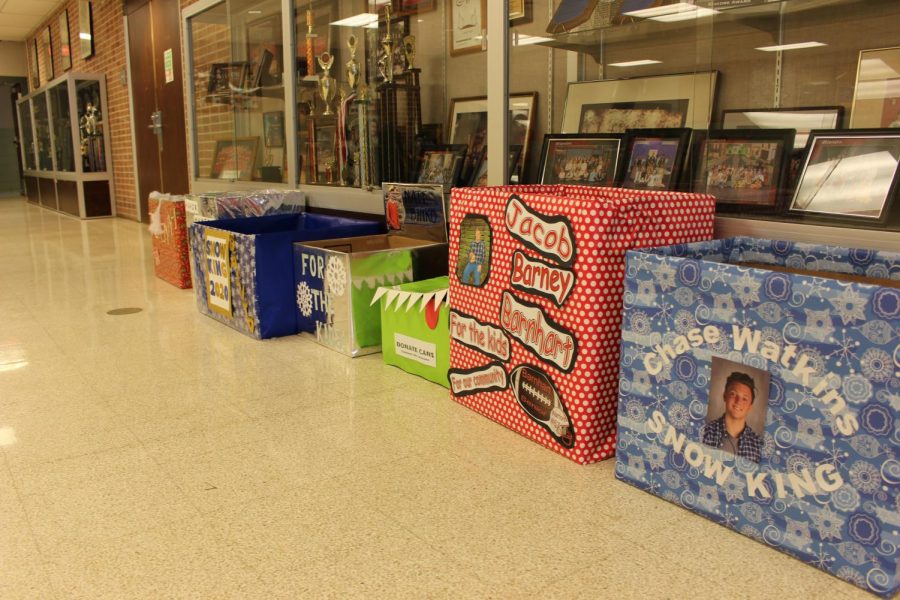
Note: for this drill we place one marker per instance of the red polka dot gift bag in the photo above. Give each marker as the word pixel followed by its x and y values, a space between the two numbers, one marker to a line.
pixel 536 281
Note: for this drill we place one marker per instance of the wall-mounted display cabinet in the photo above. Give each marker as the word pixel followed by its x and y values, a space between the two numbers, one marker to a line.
pixel 65 147
pixel 710 95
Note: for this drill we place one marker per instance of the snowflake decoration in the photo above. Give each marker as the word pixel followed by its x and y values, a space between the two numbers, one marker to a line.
pixel 751 532
pixel 845 499
pixel 809 432
pixel 646 290
pixel 851 575
pixel 708 497
pixel 733 489
pixel 816 286
pixel 850 306
pixel 723 306
pixel 656 456
pixel 335 276
pixel 672 479
pixel 854 553
pixel 719 273
pixel 828 523
pixel 836 457
pixel 845 348
pixel 640 323
pixel 636 466
pixel 304 299
pixel 877 365
pixel 747 289
pixel 752 512
pixel 818 324
pixel 679 415
pixel 821 559
pixel 796 533
pixel 865 477
pixel 770 312
pixel 665 276
pixel 683 296
pixel 634 410
pixel 684 321
pixel 864 529
pixel 857 389
pixel 798 462
pixel 664 312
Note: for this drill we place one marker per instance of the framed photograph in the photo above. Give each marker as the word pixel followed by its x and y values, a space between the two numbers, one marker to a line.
pixel 479 179
pixel 876 98
pixel 86 28
pixel 273 129
pixel 441 164
pixel 402 8
pixel 235 159
pixel 48 52
pixel 65 47
pixel 265 55
pixel 520 12
pixel 663 102
pixel 467 125
pixel 653 158
pixel 468 21
pixel 580 159
pixel 224 78
pixel 802 120
pixel 745 169
pixel 35 66
pixel 849 175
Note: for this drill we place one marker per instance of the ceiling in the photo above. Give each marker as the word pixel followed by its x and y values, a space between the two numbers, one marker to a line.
pixel 19 18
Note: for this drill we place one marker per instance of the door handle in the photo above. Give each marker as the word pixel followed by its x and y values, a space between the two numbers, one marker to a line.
pixel 157 127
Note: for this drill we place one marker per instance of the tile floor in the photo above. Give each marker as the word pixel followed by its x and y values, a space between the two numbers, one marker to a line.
pixel 164 455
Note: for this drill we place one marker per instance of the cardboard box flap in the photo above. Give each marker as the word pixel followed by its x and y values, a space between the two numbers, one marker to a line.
pixel 416 210
pixel 368 243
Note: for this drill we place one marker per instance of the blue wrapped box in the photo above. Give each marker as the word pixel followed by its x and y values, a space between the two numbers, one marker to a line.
pixel 760 387
pixel 243 267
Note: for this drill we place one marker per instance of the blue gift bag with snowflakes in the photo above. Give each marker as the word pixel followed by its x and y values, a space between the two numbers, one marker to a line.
pixel 760 387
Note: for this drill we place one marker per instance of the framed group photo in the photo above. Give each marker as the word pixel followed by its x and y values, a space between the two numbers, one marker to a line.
pixel 481 171
pixel 235 159
pixel 654 158
pixel 802 120
pixel 660 102
pixel 580 159
pixel 745 169
pixel 441 164
pixel 224 78
pixel 849 175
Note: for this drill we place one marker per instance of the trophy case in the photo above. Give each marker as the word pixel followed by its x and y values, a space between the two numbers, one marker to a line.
pixel 65 146
pixel 338 95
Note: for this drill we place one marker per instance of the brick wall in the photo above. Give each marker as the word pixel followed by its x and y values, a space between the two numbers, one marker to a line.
pixel 109 59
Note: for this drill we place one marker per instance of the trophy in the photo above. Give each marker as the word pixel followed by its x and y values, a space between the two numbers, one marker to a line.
pixel 352 64
pixel 409 51
pixel 386 62
pixel 327 84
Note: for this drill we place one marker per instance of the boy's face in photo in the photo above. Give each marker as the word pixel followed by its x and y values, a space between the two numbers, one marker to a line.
pixel 738 400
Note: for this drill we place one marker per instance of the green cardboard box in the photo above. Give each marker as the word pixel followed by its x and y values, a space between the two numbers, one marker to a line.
pixel 415 330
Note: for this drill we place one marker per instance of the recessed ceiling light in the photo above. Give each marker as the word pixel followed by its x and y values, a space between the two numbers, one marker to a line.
pixel 635 63
pixel 796 46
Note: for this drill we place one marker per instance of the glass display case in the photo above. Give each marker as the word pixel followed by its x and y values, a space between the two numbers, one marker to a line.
pixel 749 79
pixel 64 146
pixel 338 95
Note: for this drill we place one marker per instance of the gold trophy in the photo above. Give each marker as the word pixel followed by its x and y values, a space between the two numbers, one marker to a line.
pixel 409 51
pixel 327 84
pixel 386 63
pixel 352 64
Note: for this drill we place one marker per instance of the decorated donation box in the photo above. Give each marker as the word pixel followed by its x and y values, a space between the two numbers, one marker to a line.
pixel 536 276
pixel 336 280
pixel 414 331
pixel 243 267
pixel 760 387
pixel 168 229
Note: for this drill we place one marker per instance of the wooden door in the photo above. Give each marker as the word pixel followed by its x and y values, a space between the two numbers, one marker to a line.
pixel 153 32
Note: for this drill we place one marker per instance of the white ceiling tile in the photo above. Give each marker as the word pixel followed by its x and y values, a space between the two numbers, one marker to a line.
pixel 38 8
pixel 13 34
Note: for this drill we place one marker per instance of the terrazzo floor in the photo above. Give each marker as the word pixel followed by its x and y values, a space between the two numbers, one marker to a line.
pixel 163 455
